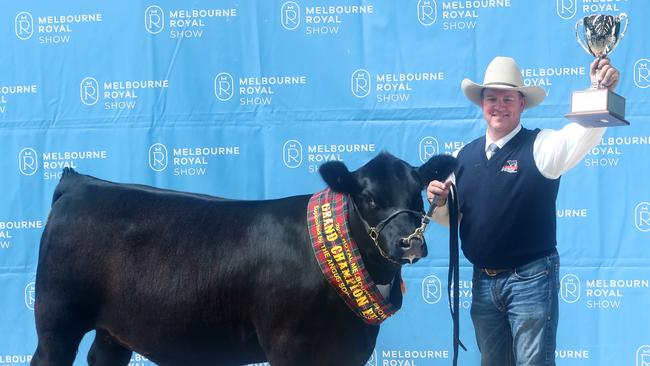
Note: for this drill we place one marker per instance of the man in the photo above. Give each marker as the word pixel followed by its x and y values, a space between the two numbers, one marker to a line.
pixel 507 185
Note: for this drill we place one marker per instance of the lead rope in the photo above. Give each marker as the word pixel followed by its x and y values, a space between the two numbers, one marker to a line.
pixel 454 270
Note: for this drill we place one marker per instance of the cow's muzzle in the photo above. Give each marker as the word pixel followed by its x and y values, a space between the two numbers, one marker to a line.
pixel 412 245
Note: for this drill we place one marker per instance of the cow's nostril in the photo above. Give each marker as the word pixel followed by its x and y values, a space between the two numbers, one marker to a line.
pixel 405 244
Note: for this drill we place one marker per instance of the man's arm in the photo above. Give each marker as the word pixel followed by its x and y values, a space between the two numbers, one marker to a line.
pixel 557 151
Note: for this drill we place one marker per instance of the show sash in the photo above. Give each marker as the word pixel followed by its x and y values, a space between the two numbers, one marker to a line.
pixel 339 258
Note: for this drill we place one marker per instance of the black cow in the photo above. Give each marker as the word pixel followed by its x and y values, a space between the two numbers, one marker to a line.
pixel 190 279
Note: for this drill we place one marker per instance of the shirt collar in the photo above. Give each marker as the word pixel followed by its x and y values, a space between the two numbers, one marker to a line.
pixel 502 141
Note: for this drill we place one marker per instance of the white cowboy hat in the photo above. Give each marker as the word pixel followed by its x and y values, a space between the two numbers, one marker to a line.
pixel 503 73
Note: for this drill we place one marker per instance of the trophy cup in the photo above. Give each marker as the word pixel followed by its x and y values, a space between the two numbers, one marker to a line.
pixel 598 106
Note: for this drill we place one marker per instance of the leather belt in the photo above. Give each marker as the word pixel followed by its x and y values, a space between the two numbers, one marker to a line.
pixel 493 272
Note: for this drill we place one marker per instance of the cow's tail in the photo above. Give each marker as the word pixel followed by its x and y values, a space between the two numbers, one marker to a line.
pixel 64 183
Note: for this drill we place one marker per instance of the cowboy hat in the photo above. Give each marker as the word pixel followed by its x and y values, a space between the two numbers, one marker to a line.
pixel 503 73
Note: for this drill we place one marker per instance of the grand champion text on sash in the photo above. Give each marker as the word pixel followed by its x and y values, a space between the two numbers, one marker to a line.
pixel 339 258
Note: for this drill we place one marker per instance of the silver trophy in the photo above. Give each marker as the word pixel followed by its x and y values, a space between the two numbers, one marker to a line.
pixel 598 106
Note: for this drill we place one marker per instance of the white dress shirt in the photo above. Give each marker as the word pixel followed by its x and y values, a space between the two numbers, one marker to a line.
pixel 555 152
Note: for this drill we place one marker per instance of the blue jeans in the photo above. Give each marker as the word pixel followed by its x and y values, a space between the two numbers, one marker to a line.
pixel 515 313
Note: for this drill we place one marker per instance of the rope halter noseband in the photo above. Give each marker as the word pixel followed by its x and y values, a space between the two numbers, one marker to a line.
pixel 374 231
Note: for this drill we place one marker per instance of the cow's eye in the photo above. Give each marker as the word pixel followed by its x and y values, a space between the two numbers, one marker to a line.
pixel 372 204
pixel 370 201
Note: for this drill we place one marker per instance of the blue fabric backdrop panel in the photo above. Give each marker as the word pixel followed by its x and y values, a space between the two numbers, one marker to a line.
pixel 246 99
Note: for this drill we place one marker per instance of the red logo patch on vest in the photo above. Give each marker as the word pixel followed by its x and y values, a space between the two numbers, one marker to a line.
pixel 511 166
pixel 339 258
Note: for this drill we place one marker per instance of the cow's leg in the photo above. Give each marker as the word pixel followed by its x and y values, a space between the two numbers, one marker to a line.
pixel 106 351
pixel 61 323
pixel 57 347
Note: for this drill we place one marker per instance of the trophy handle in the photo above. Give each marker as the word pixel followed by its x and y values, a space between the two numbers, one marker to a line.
pixel 581 21
pixel 627 20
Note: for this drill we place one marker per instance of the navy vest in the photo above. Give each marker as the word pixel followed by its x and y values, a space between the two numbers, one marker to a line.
pixel 508 207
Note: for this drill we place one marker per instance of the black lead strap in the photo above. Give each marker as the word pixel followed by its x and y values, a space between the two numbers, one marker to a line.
pixel 454 270
pixel 427 217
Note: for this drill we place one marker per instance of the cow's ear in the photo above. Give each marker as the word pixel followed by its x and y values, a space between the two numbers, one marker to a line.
pixel 439 167
pixel 338 178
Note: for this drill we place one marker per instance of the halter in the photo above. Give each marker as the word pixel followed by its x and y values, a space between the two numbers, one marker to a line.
pixel 419 232
pixel 374 231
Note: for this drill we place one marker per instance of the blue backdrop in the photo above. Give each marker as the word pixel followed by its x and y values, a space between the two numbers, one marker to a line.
pixel 244 99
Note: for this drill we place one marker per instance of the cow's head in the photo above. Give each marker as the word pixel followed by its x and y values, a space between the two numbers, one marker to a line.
pixel 387 193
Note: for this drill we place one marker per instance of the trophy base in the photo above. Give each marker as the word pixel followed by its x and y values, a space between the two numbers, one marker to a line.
pixel 597 119
pixel 597 108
